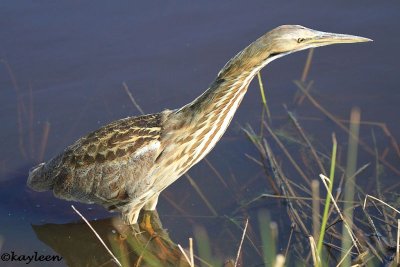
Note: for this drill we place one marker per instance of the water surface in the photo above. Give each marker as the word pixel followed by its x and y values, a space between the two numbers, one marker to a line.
pixel 63 65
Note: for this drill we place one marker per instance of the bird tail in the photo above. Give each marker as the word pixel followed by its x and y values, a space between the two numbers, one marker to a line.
pixel 38 180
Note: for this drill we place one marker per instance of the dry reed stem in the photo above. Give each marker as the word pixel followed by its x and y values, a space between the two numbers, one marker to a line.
pixel 189 258
pixel 265 195
pixel 381 201
pixel 296 218
pixel 344 257
pixel 393 140
pixel 131 98
pixel 175 205
pixel 307 65
pixel 371 223
pixel 385 129
pixel 292 227
pixel 380 125
pixel 301 187
pixel 200 193
pixel 97 235
pixel 364 145
pixel 141 256
pixel 287 154
pixel 216 172
pixel 300 99
pixel 373 250
pixel 378 183
pixel 284 183
pixel 303 79
pixel 252 243
pixel 253 159
pixel 346 224
pixel 263 155
pixel 184 254
pixel 305 138
pixel 191 252
pixel 285 187
pixel 241 242
pixel 315 256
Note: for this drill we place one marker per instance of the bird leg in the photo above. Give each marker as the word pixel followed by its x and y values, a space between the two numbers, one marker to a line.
pixel 145 224
pixel 130 216
pixel 130 213
pixel 146 221
pixel 151 203
pixel 162 244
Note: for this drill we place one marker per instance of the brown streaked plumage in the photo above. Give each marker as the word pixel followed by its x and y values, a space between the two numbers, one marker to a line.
pixel 125 165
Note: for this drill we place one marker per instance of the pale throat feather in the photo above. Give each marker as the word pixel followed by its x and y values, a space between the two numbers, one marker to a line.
pixel 209 115
pixel 228 102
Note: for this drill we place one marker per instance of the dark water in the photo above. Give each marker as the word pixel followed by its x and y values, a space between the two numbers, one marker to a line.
pixel 64 62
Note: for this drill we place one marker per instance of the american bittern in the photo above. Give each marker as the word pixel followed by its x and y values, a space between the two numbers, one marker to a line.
pixel 126 164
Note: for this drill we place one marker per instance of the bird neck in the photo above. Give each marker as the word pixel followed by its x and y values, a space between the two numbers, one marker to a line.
pixel 193 130
pixel 224 95
pixel 226 92
pixel 208 116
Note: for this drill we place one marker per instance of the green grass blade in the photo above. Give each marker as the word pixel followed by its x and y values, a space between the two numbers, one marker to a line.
pixel 263 98
pixel 328 197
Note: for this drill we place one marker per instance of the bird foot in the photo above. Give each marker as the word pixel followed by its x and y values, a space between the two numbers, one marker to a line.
pixel 146 225
pixel 162 244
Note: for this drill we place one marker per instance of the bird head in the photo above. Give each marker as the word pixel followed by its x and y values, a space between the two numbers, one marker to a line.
pixel 281 41
pixel 292 38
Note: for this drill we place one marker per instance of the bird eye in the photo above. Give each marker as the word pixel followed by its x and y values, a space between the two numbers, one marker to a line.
pixel 300 40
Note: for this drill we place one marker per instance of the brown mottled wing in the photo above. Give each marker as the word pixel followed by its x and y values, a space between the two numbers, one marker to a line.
pixel 115 140
pixel 108 165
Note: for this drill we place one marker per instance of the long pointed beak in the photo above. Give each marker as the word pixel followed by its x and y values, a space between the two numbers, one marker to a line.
pixel 327 38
